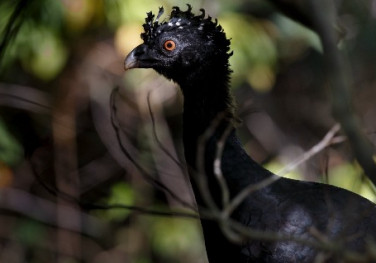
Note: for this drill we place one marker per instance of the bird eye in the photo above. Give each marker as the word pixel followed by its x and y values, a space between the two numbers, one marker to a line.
pixel 169 45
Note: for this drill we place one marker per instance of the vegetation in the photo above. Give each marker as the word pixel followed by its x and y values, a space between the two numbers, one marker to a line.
pixel 87 152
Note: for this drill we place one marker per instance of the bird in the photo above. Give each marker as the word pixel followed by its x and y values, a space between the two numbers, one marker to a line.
pixel 309 221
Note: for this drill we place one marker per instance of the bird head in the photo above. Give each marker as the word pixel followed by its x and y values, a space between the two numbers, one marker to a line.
pixel 181 46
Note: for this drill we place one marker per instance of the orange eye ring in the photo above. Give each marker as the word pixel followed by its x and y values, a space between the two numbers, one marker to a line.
pixel 169 45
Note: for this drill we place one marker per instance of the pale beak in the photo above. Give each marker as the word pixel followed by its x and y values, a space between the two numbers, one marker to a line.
pixel 131 61
pixel 139 58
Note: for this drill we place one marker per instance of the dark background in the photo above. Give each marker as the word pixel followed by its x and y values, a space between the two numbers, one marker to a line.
pixel 79 166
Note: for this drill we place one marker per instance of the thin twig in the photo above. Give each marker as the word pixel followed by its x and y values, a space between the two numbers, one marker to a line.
pixel 20 98
pixel 239 233
pixel 159 143
pixel 143 210
pixel 241 196
pixel 200 176
pixel 339 74
pixel 333 246
pixel 13 26
pixel 54 191
pixel 217 166
pixel 329 139
pixel 143 172
pixel 44 211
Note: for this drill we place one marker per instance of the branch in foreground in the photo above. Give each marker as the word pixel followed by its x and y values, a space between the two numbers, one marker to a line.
pixel 339 75
pixel 142 210
pixel 239 233
pixel 12 27
pixel 218 164
pixel 329 139
pixel 139 167
pixel 45 211
pixel 158 141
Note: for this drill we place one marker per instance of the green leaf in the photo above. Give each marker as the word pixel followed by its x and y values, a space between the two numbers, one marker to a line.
pixel 121 193
pixel 350 176
pixel 174 237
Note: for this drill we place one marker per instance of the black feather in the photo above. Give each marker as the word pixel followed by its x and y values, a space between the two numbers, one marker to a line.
pixel 199 64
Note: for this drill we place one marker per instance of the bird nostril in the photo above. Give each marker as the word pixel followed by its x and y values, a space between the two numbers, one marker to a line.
pixel 140 50
pixel 139 57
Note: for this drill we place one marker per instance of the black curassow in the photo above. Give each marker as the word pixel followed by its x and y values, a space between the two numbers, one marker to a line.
pixel 194 52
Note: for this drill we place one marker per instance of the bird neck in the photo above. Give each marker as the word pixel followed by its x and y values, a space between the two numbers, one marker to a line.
pixel 208 105
pixel 208 109
pixel 206 97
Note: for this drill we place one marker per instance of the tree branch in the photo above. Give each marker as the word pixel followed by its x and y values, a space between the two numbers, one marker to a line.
pixel 44 211
pixel 339 73
pixel 139 167
pixel 13 25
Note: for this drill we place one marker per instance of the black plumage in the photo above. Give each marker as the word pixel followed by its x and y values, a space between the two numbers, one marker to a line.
pixel 194 52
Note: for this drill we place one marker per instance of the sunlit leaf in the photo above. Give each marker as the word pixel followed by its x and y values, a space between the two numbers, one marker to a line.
pixel 172 237
pixel 275 167
pixel 349 176
pixel 121 193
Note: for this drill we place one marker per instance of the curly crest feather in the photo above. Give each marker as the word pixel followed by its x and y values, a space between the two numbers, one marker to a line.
pixel 185 19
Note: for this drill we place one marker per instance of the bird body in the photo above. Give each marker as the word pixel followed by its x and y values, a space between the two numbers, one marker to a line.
pixel 193 51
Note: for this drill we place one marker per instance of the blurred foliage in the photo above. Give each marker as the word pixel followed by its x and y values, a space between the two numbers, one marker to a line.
pixel 172 238
pixel 120 193
pixel 350 176
pixel 37 44
pixel 30 233
pixel 10 149
pixel 276 66
pixel 254 57
pixel 45 59
pixel 276 167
